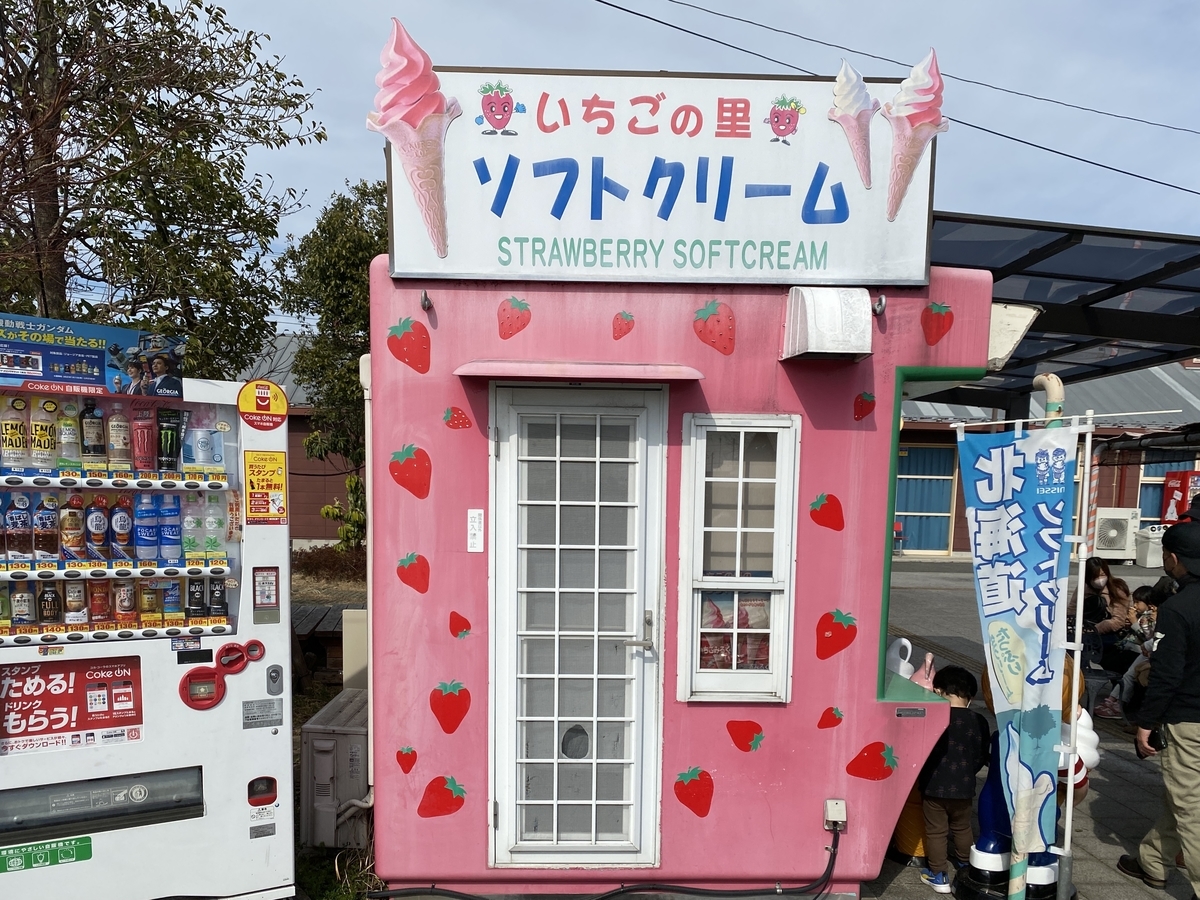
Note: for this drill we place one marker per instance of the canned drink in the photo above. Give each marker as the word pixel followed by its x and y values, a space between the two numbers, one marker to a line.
pixel 149 598
pixel 197 603
pixel 100 600
pixel 217 602
pixel 76 603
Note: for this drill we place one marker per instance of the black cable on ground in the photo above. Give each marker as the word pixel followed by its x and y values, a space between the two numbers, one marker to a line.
pixel 820 886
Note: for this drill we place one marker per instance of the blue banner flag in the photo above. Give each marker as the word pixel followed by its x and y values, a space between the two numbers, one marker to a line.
pixel 1020 497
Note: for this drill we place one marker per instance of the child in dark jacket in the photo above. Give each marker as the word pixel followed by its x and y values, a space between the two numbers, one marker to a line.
pixel 947 781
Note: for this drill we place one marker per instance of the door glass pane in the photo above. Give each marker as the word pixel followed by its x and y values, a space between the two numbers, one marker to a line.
pixel 579 481
pixel 538 656
pixel 575 656
pixel 611 783
pixel 612 740
pixel 616 483
pixel 612 823
pixel 616 437
pixel 537 524
pixel 616 525
pixel 613 701
pixel 539 782
pixel 539 436
pixel 537 480
pixel 538 568
pixel 577 612
pixel 575 742
pixel 578 568
pixel 537 696
pixel 575 697
pixel 538 741
pixel 612 657
pixel 537 823
pixel 616 568
pixel 539 612
pixel 721 451
pixel 578 525
pixel 574 822
pixel 579 437
pixel 614 615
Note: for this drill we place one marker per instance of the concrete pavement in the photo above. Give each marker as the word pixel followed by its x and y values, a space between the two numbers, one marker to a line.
pixel 933 605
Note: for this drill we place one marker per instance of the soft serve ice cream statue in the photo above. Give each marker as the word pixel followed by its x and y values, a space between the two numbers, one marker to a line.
pixel 413 114
pixel 916 116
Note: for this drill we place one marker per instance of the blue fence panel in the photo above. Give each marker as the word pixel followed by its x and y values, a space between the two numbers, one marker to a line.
pixel 925 532
pixel 923 495
pixel 925 461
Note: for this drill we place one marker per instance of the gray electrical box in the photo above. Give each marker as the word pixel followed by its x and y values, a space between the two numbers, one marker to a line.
pixel 333 769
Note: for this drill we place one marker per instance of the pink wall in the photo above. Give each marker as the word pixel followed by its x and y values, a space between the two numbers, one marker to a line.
pixel 766 815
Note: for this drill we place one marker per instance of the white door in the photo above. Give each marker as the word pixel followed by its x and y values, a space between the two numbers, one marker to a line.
pixel 578 527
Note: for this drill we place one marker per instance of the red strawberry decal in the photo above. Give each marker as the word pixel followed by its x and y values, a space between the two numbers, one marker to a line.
pixel 409 343
pixel 714 325
pixel 513 315
pixel 497 103
pixel 864 405
pixel 622 324
pixel 831 718
pixel 411 468
pixel 443 796
pixel 455 418
pixel 414 571
pixel 835 632
pixel 460 626
pixel 450 702
pixel 694 789
pixel 874 762
pixel 826 511
pixel 747 735
pixel 936 320
pixel 407 757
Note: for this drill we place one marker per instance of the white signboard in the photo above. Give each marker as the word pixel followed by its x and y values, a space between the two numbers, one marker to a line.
pixel 644 177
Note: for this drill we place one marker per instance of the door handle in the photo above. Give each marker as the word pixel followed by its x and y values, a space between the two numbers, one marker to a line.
pixel 647 632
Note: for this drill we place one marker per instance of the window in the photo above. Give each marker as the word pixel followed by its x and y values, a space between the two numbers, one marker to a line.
pixel 737 557
pixel 1150 491
pixel 578 512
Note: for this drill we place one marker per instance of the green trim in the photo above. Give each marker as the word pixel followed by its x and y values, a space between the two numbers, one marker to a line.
pixel 905 374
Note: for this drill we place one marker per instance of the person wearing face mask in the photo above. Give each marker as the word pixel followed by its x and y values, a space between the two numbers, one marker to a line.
pixel 1106 602
pixel 1171 708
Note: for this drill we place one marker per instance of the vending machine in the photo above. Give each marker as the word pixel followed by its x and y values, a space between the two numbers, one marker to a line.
pixel 145 711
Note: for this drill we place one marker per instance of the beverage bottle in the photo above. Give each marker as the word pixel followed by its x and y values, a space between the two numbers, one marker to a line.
pixel 24 607
pixel 70 446
pixel 197 602
pixel 18 527
pixel 124 593
pixel 14 433
pixel 145 527
pixel 214 525
pixel 43 434
pixel 172 598
pixel 100 600
pixel 192 528
pixel 96 524
pixel 71 527
pixel 49 604
pixel 218 602
pixel 121 528
pixel 5 606
pixel 94 440
pixel 170 538
pixel 75 603
pixel 120 455
pixel 149 598
pixel 145 441
pixel 45 526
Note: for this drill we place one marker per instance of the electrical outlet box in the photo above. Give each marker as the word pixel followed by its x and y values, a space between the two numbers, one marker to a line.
pixel 835 815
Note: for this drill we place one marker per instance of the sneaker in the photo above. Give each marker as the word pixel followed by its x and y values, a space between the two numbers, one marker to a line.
pixel 1131 866
pixel 1108 708
pixel 936 880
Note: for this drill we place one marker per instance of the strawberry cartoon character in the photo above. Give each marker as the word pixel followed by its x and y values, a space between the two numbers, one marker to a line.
pixel 694 789
pixel 408 341
pixel 936 319
pixel 455 418
pixel 785 117
pixel 874 762
pixel 407 758
pixel 443 796
pixel 714 325
pixel 622 324
pixel 836 631
pixel 747 735
pixel 411 468
pixel 512 315
pixel 449 702
pixel 498 107
pixel 413 570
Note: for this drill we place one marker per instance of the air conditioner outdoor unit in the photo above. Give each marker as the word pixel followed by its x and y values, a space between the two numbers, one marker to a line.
pixel 1115 531
pixel 333 769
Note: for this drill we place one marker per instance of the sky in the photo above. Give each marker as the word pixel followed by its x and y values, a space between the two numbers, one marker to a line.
pixel 1132 59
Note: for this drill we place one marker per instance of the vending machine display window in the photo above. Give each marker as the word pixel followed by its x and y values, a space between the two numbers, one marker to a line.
pixel 737 555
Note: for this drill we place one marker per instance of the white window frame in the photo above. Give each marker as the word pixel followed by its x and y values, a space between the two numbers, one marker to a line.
pixel 511 401
pixel 774 685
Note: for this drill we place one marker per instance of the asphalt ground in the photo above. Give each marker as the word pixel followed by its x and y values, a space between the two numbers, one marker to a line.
pixel 933 605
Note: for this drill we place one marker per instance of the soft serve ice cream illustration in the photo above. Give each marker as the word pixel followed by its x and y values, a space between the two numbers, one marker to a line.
pixel 853 108
pixel 413 114
pixel 916 116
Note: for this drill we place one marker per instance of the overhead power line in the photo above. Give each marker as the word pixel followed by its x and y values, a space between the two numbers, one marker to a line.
pixel 1000 134
pixel 984 84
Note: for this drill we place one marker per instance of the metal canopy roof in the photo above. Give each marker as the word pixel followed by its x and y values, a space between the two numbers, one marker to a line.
pixel 1112 301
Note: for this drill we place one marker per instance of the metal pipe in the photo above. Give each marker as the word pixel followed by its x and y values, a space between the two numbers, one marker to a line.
pixel 1053 386
pixel 364 378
